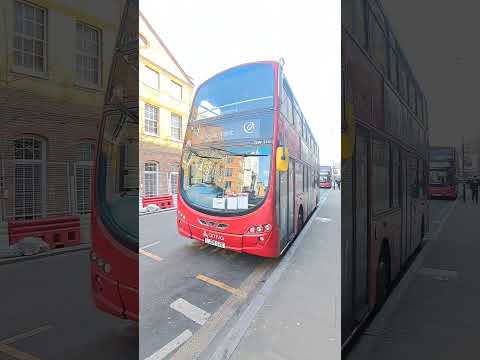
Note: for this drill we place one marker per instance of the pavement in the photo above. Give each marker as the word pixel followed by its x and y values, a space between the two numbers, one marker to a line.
pixel 300 317
pixel 53 252
pixel 193 295
pixel 433 311
pixel 47 313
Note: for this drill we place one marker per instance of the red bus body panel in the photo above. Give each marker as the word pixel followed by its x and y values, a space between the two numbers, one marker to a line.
pixel 117 292
pixel 235 237
pixel 449 191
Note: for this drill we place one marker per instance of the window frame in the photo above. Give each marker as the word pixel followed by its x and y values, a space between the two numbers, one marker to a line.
pixel 146 120
pixel 83 82
pixel 176 85
pixel 45 41
pixel 177 128
pixel 148 68
pixel 156 174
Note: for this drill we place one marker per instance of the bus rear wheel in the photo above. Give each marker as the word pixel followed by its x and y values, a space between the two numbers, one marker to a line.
pixel 383 276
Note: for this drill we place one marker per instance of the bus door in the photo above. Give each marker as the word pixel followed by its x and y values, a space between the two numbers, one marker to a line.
pixel 291 197
pixel 282 202
pixel 411 214
pixel 404 205
pixel 361 235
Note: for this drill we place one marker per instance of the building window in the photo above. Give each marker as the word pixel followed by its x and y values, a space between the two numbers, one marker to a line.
pixel 30 40
pixel 151 119
pixel 176 126
pixel 228 172
pixel 173 179
pixel 29 177
pixel 88 54
pixel 151 78
pixel 176 90
pixel 228 185
pixel 83 176
pixel 151 179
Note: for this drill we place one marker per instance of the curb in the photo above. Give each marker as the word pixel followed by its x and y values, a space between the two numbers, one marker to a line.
pixel 233 338
pixel 157 212
pixel 49 253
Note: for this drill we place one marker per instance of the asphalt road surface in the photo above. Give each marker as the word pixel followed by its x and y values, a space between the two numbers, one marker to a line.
pixel 47 313
pixel 184 282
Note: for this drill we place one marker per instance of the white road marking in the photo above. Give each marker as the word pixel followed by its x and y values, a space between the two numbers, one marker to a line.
pixel 193 312
pixel 438 274
pixel 171 346
pixel 25 335
pixel 322 219
pixel 152 244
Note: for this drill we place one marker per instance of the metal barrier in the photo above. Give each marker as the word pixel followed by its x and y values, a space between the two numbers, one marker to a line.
pixel 162 201
pixel 57 232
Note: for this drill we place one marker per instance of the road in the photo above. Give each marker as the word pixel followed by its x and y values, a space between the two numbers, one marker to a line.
pixel 183 283
pixel 47 313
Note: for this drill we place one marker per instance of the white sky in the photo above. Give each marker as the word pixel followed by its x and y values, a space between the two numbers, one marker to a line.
pixel 209 36
pixel 440 39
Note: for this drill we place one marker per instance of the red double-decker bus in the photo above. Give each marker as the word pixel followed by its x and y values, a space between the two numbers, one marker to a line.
pixel 114 254
pixel 384 162
pixel 443 173
pixel 326 177
pixel 249 168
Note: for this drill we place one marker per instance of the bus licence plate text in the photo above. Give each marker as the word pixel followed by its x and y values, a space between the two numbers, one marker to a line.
pixel 215 243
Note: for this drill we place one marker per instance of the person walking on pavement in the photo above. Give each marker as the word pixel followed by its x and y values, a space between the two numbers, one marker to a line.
pixel 474 186
pixel 338 183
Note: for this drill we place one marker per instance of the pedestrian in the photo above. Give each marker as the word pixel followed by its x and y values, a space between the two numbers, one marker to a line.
pixel 338 183
pixel 474 186
pixel 334 181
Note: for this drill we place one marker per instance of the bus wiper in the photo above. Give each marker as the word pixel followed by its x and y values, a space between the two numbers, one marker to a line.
pixel 203 156
pixel 235 154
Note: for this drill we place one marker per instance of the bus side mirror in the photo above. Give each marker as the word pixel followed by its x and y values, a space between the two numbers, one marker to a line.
pixel 282 158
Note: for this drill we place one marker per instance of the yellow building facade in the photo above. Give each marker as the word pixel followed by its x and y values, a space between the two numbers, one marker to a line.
pixel 165 96
pixel 55 58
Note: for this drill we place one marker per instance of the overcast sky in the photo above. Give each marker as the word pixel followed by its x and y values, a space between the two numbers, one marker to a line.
pixel 210 35
pixel 440 39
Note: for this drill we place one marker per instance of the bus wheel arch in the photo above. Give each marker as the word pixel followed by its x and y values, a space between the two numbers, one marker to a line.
pixel 383 273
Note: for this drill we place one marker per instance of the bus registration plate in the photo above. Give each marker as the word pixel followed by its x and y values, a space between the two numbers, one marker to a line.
pixel 215 243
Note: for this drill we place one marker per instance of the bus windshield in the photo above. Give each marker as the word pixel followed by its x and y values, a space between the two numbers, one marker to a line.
pixel 440 178
pixel 225 179
pixel 243 88
pixel 117 170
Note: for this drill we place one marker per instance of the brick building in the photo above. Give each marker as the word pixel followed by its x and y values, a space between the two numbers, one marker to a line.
pixel 165 96
pixel 53 73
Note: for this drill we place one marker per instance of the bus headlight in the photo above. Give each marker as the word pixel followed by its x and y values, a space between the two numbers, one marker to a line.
pixel 107 268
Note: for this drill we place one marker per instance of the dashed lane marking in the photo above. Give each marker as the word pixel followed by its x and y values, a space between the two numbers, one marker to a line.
pixel 221 285
pixel 204 336
pixel 191 311
pixel 25 335
pixel 171 346
pixel 150 255
pixel 152 244
pixel 17 354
